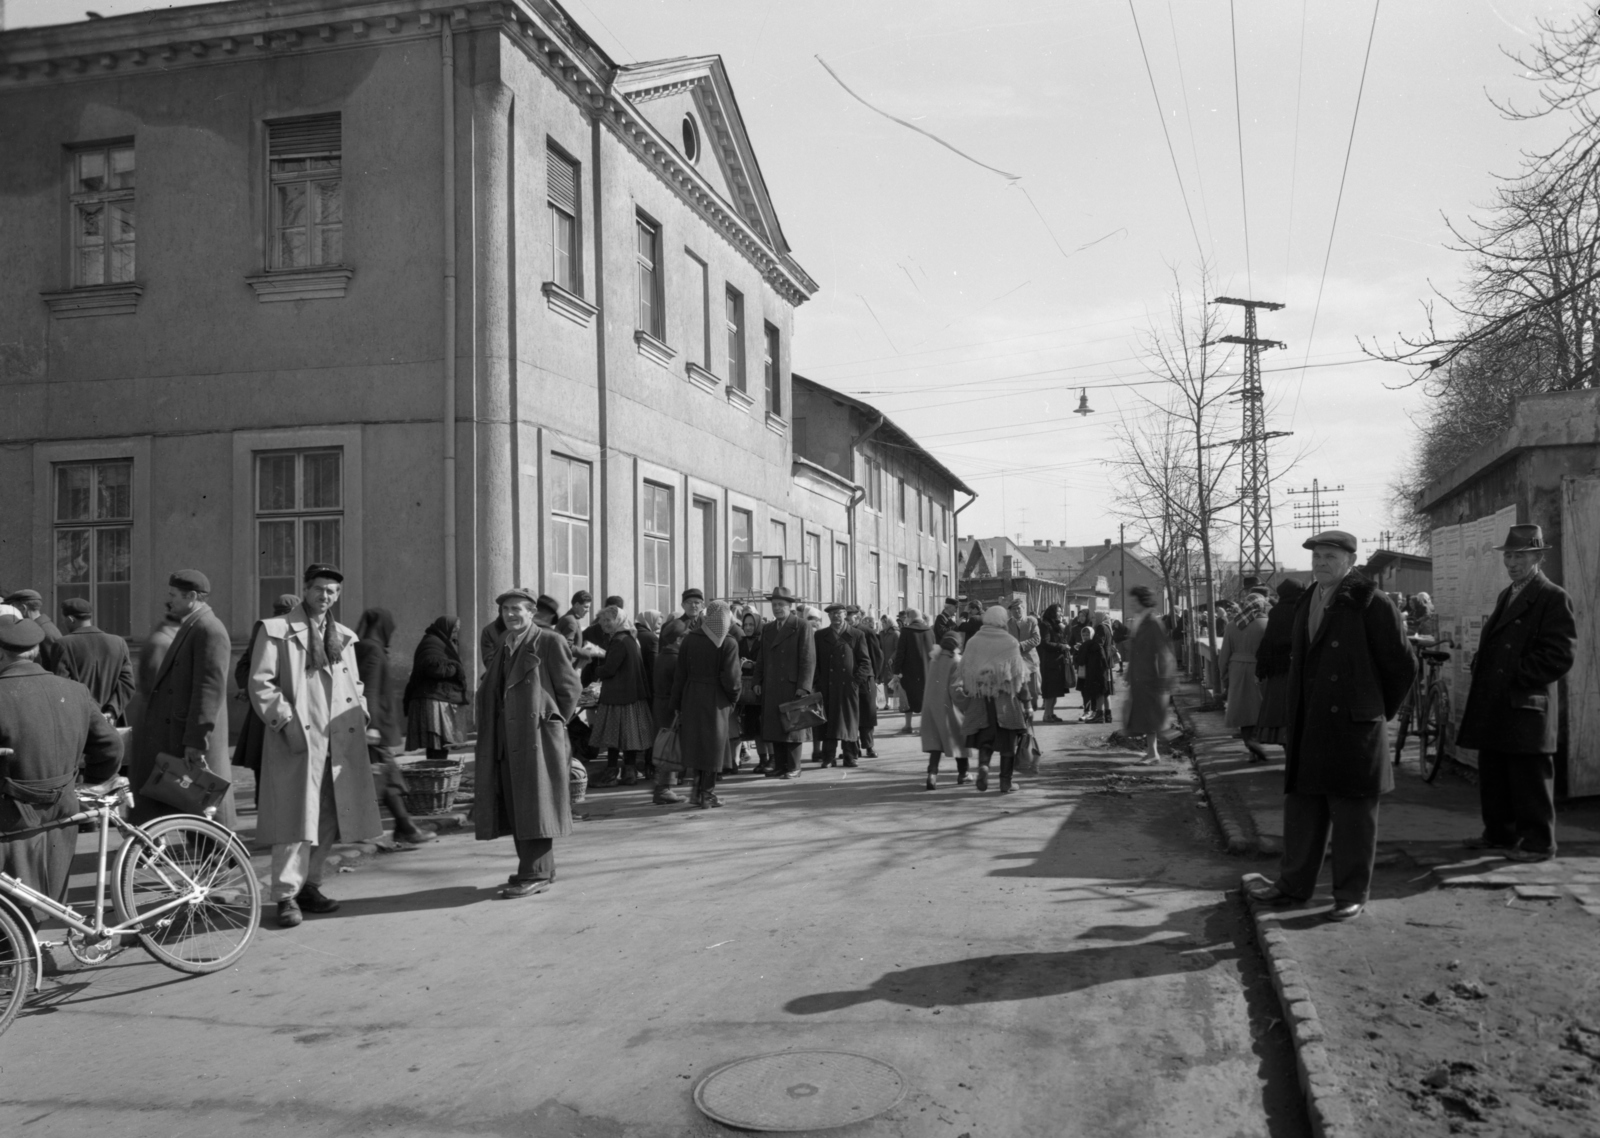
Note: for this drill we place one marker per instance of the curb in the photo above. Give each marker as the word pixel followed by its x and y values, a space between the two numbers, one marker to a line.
pixel 1327 1105
pixel 1238 824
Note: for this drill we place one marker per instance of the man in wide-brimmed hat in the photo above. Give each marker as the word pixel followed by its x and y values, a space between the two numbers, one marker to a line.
pixel 784 671
pixel 1510 716
pixel 844 665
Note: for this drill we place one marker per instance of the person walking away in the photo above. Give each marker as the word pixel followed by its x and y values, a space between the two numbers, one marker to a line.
pixel 523 789
pixel 705 688
pixel 1151 673
pixel 1272 667
pixel 97 660
pixel 946 621
pixel 867 698
pixel 888 643
pixel 784 671
pixel 911 656
pixel 316 781
pixel 436 687
pixel 187 711
pixel 1026 630
pixel 386 723
pixel 1237 664
pixel 1055 662
pixel 843 666
pixel 49 727
pixel 663 714
pixel 621 723
pixel 31 605
pixel 993 675
pixel 1350 667
pixel 942 730
pixel 1511 717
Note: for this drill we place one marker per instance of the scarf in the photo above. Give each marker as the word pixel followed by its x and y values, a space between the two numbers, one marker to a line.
pixel 322 651
pixel 991 663
pixel 716 621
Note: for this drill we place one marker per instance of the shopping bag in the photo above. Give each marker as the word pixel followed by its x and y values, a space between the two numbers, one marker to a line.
pixel 190 787
pixel 748 696
pixel 1027 754
pixel 803 714
pixel 666 753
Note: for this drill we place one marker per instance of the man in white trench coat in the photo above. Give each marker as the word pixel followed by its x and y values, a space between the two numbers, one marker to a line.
pixel 315 786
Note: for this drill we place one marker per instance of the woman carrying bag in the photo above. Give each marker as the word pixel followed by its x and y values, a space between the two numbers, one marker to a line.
pixel 994 677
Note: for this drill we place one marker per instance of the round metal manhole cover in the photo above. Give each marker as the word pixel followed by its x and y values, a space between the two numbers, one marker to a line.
pixel 799 1090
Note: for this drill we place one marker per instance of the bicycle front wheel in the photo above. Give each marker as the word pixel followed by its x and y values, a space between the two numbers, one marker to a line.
pixel 1433 723
pixel 186 855
pixel 16 966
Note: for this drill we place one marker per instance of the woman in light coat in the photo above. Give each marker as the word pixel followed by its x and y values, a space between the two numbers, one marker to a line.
pixel 994 677
pixel 1236 663
pixel 942 731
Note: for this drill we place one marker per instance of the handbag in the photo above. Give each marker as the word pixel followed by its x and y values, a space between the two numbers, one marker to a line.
pixel 748 696
pixel 667 753
pixel 1028 754
pixel 804 713
pixel 190 787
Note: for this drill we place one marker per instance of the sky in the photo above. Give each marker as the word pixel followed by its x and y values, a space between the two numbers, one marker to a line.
pixel 974 296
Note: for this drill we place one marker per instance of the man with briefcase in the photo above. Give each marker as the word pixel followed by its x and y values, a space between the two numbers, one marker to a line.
pixel 784 669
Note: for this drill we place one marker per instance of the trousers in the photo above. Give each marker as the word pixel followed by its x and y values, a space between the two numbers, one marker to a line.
pixel 1308 822
pixel 536 859
pixel 298 864
pixel 1517 795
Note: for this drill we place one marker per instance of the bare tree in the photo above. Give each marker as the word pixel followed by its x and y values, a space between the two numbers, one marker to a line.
pixel 1156 490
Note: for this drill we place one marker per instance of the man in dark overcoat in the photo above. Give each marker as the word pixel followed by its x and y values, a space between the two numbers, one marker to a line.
pixel 1511 713
pixel 48 725
pixel 784 670
pixel 843 666
pixel 31 605
pixel 528 694
pixel 946 620
pixel 911 662
pixel 1350 667
pixel 187 711
pixel 97 660
pixel 867 697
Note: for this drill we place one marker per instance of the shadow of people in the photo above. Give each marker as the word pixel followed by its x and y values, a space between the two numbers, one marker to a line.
pixel 444 897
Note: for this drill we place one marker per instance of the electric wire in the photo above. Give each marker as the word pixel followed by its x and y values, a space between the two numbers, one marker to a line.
pixel 1162 115
pixel 1238 125
pixel 1188 117
pixel 1294 152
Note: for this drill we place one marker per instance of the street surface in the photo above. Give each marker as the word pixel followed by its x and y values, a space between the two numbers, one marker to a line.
pixel 1060 961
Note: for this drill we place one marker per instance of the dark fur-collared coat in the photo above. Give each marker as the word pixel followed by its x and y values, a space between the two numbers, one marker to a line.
pixel 1344 685
pixel 523 708
pixel 1523 652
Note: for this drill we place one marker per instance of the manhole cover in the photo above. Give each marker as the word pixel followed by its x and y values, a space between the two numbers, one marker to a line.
pixel 799 1090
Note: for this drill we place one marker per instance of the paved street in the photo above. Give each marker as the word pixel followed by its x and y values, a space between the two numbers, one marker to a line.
pixel 1058 961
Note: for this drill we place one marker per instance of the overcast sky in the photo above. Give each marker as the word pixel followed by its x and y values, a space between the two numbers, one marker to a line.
pixel 948 301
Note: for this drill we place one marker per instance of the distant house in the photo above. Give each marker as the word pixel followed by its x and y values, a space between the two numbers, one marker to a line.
pixel 1092 575
pixel 1398 572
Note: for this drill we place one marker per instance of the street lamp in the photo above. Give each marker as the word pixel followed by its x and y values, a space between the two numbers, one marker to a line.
pixel 1083 402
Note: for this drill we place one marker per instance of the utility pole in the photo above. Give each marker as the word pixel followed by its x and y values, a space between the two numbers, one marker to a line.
pixel 1122 546
pixel 1318 515
pixel 1257 552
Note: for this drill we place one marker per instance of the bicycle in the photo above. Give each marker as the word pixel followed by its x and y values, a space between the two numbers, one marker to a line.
pixel 184 887
pixel 1428 703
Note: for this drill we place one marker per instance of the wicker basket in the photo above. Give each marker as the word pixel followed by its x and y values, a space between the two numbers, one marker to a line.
pixel 431 785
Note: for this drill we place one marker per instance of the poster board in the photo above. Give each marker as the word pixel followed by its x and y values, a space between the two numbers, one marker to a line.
pixel 1467 580
pixel 1580 567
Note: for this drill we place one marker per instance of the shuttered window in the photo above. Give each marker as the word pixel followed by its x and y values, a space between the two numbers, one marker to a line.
pixel 304 157
pixel 561 178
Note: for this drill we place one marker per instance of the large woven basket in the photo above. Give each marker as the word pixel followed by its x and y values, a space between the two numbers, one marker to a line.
pixel 431 785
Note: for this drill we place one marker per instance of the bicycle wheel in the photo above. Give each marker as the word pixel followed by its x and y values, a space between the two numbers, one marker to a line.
pixel 1432 734
pixel 16 966
pixel 1402 728
pixel 205 934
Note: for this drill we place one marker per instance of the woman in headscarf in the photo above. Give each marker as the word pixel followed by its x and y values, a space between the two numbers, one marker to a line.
pixel 749 709
pixel 647 627
pixel 888 643
pixel 705 686
pixel 438 684
pixel 385 721
pixel 666 664
pixel 994 678
pixel 911 656
pixel 1094 655
pixel 1272 668
pixel 1151 668
pixel 1236 663
pixel 1055 662
pixel 621 722
pixel 942 732
pixel 867 699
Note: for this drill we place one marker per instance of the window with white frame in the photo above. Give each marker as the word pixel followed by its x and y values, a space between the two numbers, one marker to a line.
pixel 700 318
pixel 299 518
pixel 841 571
pixel 561 188
pixel 770 369
pixel 648 255
pixel 922 590
pixel 304 157
pixel 813 556
pixel 902 578
pixel 733 311
pixel 570 518
pixel 944 580
pixel 94 540
pixel 741 545
pixel 102 215
pixel 875 581
pixel 655 548
pixel 779 552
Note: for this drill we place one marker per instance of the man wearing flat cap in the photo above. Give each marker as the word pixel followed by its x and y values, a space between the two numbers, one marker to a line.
pixel 1350 667
pixel 31 605
pixel 97 660
pixel 186 713
pixel 1511 713
pixel 48 727
pixel 843 668
pixel 315 786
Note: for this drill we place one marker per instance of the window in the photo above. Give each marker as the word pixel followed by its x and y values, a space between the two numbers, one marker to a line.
pixel 102 215
pixel 569 482
pixel 841 571
pixel 741 538
pixel 944 579
pixel 769 364
pixel 700 550
pixel 813 554
pixel 875 581
pixel 700 318
pixel 691 139
pixel 656 549
pixel 735 319
pixel 944 523
pixel 299 518
pixel 922 591
pixel 94 540
pixel 561 188
pixel 920 527
pixel 307 192
pixel 874 491
pixel 780 540
pixel 649 257
pixel 900 500
pixel 902 576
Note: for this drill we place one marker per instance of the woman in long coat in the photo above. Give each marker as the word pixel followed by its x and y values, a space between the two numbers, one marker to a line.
pixel 1272 665
pixel 705 687
pixel 1151 669
pixel 1093 653
pixel 1236 662
pixel 438 685
pixel 994 678
pixel 749 710
pixel 942 730
pixel 867 701
pixel 622 722
pixel 1055 662
pixel 911 656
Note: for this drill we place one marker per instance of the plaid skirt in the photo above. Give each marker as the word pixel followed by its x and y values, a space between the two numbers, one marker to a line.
pixel 431 726
pixel 625 726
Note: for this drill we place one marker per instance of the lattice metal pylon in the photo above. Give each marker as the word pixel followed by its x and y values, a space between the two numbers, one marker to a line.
pixel 1257 550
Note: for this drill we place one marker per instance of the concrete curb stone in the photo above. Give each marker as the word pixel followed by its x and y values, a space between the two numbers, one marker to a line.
pixel 1232 814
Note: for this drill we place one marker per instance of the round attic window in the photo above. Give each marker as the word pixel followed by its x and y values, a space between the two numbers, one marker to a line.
pixel 691 139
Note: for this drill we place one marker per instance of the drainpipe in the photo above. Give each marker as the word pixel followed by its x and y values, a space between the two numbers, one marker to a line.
pixel 447 78
pixel 955 536
pixel 856 498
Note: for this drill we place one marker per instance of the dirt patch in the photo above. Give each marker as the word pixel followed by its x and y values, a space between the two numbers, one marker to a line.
pixel 1459 1011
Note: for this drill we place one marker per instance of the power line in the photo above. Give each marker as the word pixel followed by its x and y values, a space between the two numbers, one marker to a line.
pixel 1238 125
pixel 1162 115
pixel 1294 160
pixel 1188 117
pixel 1338 201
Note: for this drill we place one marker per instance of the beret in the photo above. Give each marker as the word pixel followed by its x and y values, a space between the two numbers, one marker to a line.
pixel 1335 537
pixel 24 597
pixel 517 594
pixel 691 592
pixel 328 571
pixel 190 581
pixel 76 606
pixel 19 633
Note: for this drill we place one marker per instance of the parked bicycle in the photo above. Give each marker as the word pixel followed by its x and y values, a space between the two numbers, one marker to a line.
pixel 1426 710
pixel 183 885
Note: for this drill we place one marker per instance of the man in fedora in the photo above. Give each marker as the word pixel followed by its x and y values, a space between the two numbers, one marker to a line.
pixel 1349 669
pixel 1510 716
pixel 843 667
pixel 783 672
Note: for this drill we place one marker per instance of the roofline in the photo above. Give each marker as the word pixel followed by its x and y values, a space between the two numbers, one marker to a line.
pixel 890 427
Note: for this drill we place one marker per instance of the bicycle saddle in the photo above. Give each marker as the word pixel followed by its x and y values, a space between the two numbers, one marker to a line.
pixel 103 793
pixel 1436 655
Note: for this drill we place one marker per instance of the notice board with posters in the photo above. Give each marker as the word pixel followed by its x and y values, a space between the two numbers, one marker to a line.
pixel 1467 579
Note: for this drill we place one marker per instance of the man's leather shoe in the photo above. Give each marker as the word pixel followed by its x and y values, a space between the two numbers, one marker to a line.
pixel 1485 844
pixel 851 763
pixel 313 900
pixel 1270 894
pixel 288 913
pixel 1528 856
pixel 523 888
pixel 1345 911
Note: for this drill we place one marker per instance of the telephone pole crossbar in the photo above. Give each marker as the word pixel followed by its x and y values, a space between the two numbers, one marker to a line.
pixel 1318 514
pixel 1257 553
